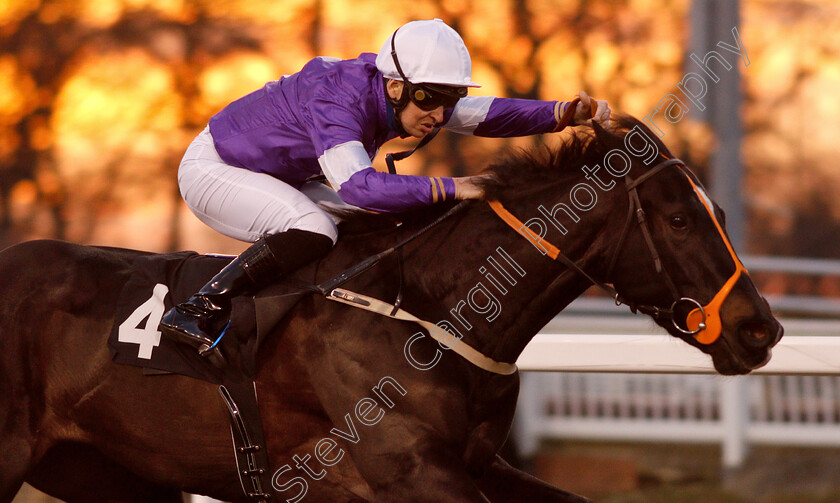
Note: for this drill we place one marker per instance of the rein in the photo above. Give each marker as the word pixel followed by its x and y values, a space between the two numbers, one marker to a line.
pixel 705 319
pixel 330 290
pixel 702 322
pixel 327 286
pixel 635 210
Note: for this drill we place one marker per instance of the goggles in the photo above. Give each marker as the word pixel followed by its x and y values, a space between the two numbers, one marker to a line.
pixel 431 96
pixel 428 96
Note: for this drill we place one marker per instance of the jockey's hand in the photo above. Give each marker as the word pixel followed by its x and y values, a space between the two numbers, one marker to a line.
pixel 466 187
pixel 584 115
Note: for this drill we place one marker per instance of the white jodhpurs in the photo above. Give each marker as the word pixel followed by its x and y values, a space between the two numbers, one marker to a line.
pixel 245 205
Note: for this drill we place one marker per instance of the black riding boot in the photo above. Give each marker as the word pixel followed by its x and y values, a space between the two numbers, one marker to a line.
pixel 198 321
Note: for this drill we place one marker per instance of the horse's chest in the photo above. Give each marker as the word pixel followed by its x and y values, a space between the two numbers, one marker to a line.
pixel 492 414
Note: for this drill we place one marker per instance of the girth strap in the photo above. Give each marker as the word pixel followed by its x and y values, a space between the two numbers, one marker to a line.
pixel 248 440
pixel 439 334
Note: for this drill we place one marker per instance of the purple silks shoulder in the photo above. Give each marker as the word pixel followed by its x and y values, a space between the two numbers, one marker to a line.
pixel 282 128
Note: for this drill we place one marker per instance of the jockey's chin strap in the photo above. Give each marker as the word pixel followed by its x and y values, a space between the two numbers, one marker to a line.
pixel 703 321
pixel 390 159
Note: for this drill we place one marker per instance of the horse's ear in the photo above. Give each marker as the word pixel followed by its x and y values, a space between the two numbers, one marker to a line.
pixel 606 139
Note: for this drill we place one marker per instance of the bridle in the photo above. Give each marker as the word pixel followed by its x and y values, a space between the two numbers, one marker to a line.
pixel 703 321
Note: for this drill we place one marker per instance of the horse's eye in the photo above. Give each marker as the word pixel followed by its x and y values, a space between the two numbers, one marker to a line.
pixel 679 222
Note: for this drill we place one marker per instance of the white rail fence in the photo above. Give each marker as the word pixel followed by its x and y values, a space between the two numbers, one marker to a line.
pixel 799 404
pixel 794 400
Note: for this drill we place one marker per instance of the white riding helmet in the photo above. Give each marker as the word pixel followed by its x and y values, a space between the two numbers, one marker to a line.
pixel 429 52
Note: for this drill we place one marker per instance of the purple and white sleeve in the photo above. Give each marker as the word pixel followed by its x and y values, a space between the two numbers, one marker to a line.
pixel 337 127
pixel 502 117
pixel 349 171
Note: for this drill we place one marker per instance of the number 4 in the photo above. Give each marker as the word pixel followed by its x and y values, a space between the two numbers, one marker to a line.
pixel 147 337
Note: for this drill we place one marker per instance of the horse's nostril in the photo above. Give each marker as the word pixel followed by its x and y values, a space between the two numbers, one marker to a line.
pixel 757 334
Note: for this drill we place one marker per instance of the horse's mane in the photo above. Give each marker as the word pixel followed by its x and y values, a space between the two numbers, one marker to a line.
pixel 522 170
pixel 515 172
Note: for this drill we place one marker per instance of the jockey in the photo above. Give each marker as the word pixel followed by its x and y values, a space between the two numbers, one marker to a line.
pixel 246 174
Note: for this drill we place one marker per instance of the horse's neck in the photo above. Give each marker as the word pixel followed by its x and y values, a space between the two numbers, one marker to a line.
pixel 494 286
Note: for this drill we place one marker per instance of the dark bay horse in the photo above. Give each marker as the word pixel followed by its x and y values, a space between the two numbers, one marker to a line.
pixel 358 407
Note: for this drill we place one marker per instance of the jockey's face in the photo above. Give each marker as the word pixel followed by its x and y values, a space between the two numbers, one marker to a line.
pixel 416 122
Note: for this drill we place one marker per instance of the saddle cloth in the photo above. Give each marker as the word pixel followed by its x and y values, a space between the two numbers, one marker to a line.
pixel 157 283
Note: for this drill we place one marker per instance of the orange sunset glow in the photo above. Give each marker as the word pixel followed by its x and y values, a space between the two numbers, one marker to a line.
pixel 99 98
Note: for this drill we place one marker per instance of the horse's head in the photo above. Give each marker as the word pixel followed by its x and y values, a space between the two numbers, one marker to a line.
pixel 673 259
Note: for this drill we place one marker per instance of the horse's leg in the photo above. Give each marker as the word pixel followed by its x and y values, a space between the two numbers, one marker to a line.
pixel 17 419
pixel 399 473
pixel 77 473
pixel 502 483
pixel 16 437
pixel 14 463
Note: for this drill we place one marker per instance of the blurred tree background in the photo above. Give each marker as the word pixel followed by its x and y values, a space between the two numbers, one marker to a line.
pixel 99 99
